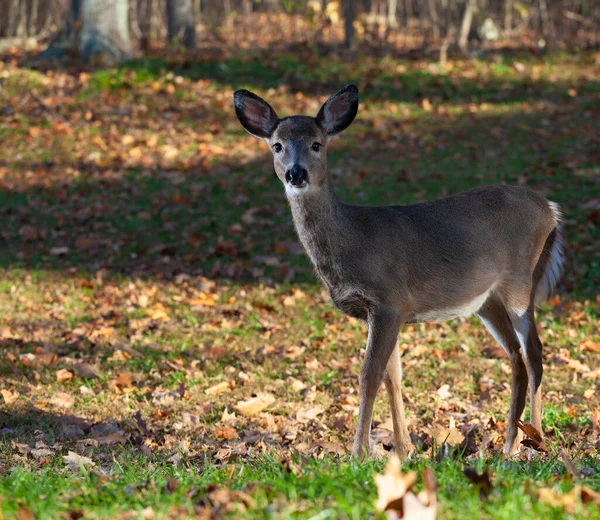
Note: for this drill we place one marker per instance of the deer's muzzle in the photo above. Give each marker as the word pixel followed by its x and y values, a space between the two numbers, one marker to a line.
pixel 296 175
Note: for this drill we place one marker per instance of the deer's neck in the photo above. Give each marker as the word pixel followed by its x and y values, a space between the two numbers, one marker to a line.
pixel 316 216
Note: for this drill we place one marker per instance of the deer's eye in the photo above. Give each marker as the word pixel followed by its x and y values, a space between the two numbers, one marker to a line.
pixel 316 146
pixel 277 147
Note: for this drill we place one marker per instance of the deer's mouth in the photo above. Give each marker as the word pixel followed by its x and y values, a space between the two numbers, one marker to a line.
pixel 295 190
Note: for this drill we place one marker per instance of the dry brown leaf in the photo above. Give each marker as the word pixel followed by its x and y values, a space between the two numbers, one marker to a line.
pixel 223 386
pixel 158 312
pixel 590 346
pixel 63 374
pixel 123 382
pixel 571 468
pixel 62 400
pixel 443 392
pixel 450 436
pixel 7 333
pixel 535 440
pixel 596 420
pixel 482 481
pixel 578 366
pixel 297 385
pixel 74 460
pixel 9 396
pixel 229 500
pixel 570 501
pixel 42 453
pixel 414 509
pixel 256 404
pixel 393 485
pixel 85 370
pixel 111 438
pixel 203 300
pixel 24 513
pixel 120 355
pixel 594 374
pixel 226 433
pixel 307 414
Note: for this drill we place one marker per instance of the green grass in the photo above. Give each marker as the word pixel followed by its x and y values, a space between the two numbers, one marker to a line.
pixel 305 488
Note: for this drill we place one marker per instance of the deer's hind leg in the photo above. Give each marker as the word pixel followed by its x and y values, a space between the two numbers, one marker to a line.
pixel 393 385
pixel 531 349
pixel 495 317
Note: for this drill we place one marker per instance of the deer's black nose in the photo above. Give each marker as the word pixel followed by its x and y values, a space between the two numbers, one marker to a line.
pixel 296 175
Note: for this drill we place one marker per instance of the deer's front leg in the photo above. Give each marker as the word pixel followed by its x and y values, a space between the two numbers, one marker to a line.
pixel 384 325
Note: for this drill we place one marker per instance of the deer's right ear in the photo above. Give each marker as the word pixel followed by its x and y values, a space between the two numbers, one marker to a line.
pixel 255 114
pixel 339 110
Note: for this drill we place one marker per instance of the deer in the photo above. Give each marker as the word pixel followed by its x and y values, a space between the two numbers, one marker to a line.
pixel 494 251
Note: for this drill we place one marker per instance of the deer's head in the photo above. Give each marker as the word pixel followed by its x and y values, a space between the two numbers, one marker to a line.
pixel 298 143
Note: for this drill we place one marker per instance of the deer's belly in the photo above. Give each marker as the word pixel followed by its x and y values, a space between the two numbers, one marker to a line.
pixel 447 313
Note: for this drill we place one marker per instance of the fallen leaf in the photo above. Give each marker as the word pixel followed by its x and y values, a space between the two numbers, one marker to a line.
pixel 223 386
pixel 535 440
pixel 111 438
pixel 450 436
pixel 590 346
pixel 74 460
pixel 226 433
pixel 9 396
pixel 85 370
pixel 24 513
pixel 171 485
pixel 482 482
pixel 443 392
pixel 307 414
pixel 393 485
pixel 569 501
pixel 63 374
pixel 59 251
pixel 255 405
pixel 414 509
pixel 62 400
pixel 571 468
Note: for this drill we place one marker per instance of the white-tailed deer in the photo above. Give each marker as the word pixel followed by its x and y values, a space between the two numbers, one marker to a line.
pixel 494 252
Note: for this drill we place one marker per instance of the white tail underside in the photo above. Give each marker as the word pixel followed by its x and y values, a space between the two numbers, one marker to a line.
pixel 555 263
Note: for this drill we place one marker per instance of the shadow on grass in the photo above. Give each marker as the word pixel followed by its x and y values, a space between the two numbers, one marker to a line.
pixel 378 79
pixel 232 221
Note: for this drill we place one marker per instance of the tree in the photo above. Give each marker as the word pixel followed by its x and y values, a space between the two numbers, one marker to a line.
pixel 94 29
pixel 349 17
pixel 465 26
pixel 180 16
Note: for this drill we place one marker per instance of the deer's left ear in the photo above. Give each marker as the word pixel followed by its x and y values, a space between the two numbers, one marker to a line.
pixel 339 110
pixel 255 114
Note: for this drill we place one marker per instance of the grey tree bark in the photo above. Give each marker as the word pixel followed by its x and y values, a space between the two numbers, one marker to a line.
pixel 94 29
pixel 349 17
pixel 465 26
pixel 180 17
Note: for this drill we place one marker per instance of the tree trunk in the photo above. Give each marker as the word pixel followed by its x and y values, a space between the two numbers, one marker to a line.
pixel 180 16
pixel 104 29
pixel 94 30
pixel 349 16
pixel 392 20
pixel 508 15
pixel 465 26
pixel 144 14
pixel 435 21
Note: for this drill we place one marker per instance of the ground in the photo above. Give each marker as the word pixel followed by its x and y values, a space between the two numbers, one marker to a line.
pixel 166 348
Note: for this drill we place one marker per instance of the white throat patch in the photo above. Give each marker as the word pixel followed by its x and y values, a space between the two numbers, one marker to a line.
pixel 295 191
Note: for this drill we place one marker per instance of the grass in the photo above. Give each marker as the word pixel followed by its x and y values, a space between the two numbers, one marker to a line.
pixel 179 271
